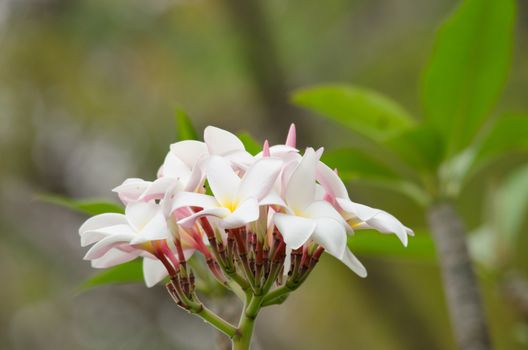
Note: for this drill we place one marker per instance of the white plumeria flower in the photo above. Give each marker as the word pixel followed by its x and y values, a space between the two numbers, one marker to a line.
pixel 359 216
pixel 307 218
pixel 130 233
pixel 236 201
pixel 183 166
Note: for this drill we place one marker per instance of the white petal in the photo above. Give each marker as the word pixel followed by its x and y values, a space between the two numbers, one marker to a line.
pixel 215 212
pixel 295 230
pixel 360 211
pixel 386 223
pixel 153 271
pixel 102 220
pixel 191 199
pixel 220 141
pixel 239 159
pixel 155 229
pixel 189 151
pixel 323 209
pixel 173 166
pixel 131 189
pixel 300 191
pixel 104 245
pixel 222 179
pixel 272 198
pixel 139 213
pixel 353 263
pixel 246 212
pixel 331 181
pixel 158 188
pixel 285 176
pixel 113 257
pixel 90 237
pixel 259 179
pixel 195 180
pixel 332 236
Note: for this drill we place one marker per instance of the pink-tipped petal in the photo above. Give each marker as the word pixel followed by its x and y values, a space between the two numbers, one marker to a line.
pixel 266 149
pixel 291 139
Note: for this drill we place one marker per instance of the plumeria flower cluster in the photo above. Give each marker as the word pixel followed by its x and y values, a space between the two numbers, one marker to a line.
pixel 260 222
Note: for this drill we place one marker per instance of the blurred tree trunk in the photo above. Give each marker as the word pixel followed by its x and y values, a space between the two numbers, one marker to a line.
pixel 459 280
pixel 263 64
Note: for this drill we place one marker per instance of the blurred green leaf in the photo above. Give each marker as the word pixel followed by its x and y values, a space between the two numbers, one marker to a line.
pixel 511 204
pixel 356 165
pixel 468 68
pixel 372 243
pixel 508 134
pixel 252 145
pixel 131 271
pixel 184 126
pixel 362 110
pixel 420 147
pixel 85 206
pixel 353 163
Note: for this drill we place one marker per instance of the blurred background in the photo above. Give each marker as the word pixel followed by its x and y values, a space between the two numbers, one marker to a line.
pixel 88 90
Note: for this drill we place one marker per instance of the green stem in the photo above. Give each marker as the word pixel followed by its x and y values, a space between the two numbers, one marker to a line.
pixel 277 293
pixel 217 322
pixel 242 338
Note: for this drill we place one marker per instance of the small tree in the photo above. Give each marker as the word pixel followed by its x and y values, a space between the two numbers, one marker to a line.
pixel 431 159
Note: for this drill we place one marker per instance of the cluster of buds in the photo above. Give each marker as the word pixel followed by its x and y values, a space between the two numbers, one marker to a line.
pixel 259 221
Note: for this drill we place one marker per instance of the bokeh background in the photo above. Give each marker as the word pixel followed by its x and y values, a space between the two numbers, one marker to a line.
pixel 88 90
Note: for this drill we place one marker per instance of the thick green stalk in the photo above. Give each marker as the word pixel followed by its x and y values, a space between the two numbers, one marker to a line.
pixel 242 338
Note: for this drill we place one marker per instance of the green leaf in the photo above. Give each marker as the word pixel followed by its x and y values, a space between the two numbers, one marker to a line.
pixel 511 204
pixel 419 147
pixel 131 271
pixel 184 126
pixel 85 206
pixel 508 134
pixel 353 163
pixel 372 243
pixel 468 68
pixel 362 110
pixel 252 145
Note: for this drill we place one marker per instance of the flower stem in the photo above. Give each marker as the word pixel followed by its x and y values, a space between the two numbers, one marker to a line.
pixel 217 322
pixel 242 338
